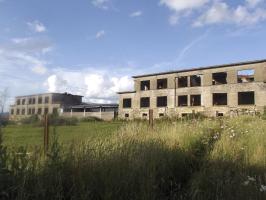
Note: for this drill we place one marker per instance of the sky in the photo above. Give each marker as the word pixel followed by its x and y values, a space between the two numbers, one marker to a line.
pixel 94 47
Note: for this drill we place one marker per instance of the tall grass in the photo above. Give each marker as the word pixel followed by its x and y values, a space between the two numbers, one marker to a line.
pixel 198 159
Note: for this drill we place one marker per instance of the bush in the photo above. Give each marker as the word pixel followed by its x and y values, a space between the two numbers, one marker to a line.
pixel 56 120
pixel 33 120
pixel 90 119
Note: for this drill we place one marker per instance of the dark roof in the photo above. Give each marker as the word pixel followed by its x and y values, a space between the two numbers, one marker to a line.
pixel 125 92
pixel 202 68
pixel 94 105
pixel 48 94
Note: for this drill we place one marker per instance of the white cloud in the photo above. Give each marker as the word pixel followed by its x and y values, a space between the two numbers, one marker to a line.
pixel 39 69
pixel 136 14
pixel 36 26
pixel 220 12
pixel 95 86
pixel 100 34
pixel 102 4
pixel 254 3
pixel 181 5
pixel 209 12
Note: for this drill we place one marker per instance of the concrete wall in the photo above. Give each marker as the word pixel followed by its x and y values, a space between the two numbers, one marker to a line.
pixel 206 91
pixel 106 116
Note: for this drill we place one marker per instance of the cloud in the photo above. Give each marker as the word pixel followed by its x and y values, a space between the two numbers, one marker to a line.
pixel 136 14
pixel 102 4
pixel 95 86
pixel 182 5
pixel 39 69
pixel 254 3
pixel 36 26
pixel 100 34
pixel 220 12
pixel 208 12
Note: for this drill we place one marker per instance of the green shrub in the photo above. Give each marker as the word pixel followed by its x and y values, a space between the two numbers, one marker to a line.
pixel 33 119
pixel 62 121
pixel 90 119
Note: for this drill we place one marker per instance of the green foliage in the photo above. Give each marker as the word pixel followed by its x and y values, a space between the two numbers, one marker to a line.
pixel 33 120
pixel 56 120
pixel 192 159
pixel 90 119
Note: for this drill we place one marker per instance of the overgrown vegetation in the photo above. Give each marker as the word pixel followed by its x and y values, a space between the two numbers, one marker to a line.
pixel 192 159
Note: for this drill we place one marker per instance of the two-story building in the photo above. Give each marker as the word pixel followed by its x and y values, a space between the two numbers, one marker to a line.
pixel 41 104
pixel 220 90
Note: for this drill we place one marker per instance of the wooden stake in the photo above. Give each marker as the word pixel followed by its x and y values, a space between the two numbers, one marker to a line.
pixel 151 117
pixel 46 133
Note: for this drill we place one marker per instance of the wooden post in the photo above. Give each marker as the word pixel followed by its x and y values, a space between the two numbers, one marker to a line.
pixel 151 118
pixel 46 133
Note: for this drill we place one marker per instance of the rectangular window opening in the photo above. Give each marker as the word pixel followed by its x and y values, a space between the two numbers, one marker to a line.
pixel 182 81
pixel 195 100
pixel 195 80
pixel 219 78
pixel 145 85
pixel 127 103
pixel 245 76
pixel 46 100
pixel 23 101
pixel 39 111
pixel 12 111
pixel 144 102
pixel 18 112
pixel 126 115
pixel 144 115
pixel 219 99
pixel 161 114
pixel 182 100
pixel 246 98
pixel 162 83
pixel 39 100
pixel 46 110
pixel 18 102
pixel 162 101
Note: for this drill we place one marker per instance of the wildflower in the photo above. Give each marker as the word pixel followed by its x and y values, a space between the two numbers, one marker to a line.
pixel 251 178
pixel 233 135
pixel 263 188
pixel 246 183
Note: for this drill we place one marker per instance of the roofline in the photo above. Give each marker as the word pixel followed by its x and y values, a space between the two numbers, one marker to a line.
pixel 126 92
pixel 202 68
pixel 47 94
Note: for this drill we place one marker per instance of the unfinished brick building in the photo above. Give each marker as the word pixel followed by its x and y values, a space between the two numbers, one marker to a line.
pixel 222 90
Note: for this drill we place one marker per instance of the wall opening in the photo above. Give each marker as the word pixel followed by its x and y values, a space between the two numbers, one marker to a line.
pixel 18 102
pixel 12 111
pixel 126 115
pixel 39 100
pixel 195 100
pixel 219 99
pixel 182 81
pixel 162 101
pixel 18 112
pixel 144 102
pixel 145 85
pixel 246 98
pixel 161 114
pixel 127 103
pixel 23 111
pixel 245 76
pixel 195 80
pixel 182 100
pixel 39 111
pixel 144 115
pixel 219 78
pixel 162 83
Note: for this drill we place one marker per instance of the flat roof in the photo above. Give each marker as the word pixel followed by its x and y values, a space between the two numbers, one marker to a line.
pixel 201 68
pixel 94 105
pixel 126 92
pixel 48 94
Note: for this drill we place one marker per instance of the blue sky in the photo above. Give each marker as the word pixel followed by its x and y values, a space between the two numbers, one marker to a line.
pixel 93 47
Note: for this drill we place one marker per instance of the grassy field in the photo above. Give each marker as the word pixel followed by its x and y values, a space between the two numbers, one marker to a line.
pixel 206 159
pixel 29 135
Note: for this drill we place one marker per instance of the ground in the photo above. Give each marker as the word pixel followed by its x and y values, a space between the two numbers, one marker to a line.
pixel 29 135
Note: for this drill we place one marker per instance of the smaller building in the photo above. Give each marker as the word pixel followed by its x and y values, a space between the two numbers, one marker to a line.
pixel 105 112
pixel 40 104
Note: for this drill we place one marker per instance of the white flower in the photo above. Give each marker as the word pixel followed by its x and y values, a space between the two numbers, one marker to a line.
pixel 251 178
pixel 246 183
pixel 263 188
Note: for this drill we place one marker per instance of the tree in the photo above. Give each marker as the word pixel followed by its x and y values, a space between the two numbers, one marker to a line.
pixel 3 99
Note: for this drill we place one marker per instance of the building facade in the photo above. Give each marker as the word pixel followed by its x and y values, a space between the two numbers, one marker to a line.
pixel 222 90
pixel 40 104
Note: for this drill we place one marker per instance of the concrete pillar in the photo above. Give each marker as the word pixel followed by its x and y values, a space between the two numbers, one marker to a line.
pixel 71 112
pixel 84 112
